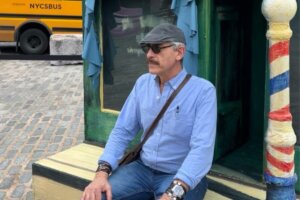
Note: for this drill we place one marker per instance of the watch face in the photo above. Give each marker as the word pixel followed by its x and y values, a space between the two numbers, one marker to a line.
pixel 177 191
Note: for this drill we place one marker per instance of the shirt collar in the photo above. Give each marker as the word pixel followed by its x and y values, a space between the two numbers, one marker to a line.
pixel 176 80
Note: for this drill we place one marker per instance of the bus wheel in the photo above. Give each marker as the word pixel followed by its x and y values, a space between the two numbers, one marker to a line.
pixel 34 41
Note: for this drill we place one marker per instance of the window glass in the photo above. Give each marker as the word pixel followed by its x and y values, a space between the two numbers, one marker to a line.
pixel 124 23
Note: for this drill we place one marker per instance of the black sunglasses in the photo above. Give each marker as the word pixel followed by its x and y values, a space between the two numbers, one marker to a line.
pixel 156 48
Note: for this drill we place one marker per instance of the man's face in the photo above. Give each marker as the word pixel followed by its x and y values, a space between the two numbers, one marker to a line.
pixel 163 59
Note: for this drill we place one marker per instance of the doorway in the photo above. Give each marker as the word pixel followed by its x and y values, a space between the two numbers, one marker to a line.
pixel 239 143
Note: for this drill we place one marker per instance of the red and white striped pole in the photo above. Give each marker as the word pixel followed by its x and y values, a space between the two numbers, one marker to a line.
pixel 280 138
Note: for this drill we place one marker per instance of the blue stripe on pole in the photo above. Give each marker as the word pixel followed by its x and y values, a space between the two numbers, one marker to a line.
pixel 279 82
pixel 280 188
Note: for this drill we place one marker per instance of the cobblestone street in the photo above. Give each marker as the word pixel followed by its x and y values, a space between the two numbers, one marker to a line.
pixel 41 113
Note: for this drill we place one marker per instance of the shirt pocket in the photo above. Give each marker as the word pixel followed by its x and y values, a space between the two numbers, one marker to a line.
pixel 178 122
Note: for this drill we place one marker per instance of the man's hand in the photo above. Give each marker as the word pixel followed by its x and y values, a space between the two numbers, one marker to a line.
pixel 164 197
pixel 94 190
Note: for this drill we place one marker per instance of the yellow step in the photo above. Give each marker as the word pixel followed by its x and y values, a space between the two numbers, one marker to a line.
pixel 64 175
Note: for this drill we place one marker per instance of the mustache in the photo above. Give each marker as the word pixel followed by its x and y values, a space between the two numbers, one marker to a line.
pixel 152 62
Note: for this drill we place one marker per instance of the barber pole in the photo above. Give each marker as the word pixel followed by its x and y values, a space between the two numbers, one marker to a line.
pixel 280 138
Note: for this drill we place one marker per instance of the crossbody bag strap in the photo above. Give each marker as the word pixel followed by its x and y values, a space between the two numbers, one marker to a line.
pixel 164 108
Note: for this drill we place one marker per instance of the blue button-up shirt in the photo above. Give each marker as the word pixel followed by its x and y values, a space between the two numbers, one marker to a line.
pixel 183 141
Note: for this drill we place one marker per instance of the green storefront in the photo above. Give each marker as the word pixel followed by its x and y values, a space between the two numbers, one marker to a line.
pixel 232 55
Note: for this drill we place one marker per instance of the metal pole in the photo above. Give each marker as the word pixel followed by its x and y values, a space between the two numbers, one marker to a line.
pixel 280 137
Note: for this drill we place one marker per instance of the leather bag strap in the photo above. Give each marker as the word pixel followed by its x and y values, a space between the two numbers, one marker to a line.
pixel 163 110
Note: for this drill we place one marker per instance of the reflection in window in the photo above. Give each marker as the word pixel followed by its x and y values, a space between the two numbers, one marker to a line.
pixel 124 23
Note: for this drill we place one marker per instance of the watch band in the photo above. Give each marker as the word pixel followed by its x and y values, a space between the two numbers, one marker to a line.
pixel 179 183
pixel 176 191
pixel 104 167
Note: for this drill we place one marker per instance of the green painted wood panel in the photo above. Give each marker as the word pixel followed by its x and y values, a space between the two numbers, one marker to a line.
pixel 97 124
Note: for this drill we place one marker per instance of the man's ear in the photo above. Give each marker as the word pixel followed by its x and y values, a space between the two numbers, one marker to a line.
pixel 181 51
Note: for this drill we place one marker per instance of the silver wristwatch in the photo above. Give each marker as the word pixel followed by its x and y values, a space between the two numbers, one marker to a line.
pixel 176 191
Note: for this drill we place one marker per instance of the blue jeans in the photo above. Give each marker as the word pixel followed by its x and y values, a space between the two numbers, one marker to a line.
pixel 136 181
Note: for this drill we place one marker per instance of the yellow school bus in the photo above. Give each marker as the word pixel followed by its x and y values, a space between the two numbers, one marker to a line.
pixel 30 23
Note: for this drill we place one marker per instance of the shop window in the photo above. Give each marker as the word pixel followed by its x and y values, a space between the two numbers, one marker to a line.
pixel 124 23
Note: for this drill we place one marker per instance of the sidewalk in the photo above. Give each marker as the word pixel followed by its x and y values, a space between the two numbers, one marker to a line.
pixel 41 113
